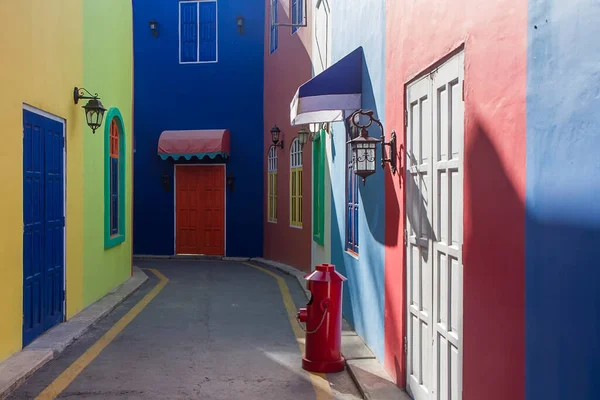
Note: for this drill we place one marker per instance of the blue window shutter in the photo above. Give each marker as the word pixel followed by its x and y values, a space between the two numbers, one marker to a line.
pixel 189 32
pixel 274 30
pixel 208 31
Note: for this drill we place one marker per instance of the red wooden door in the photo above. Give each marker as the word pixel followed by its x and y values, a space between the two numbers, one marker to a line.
pixel 200 208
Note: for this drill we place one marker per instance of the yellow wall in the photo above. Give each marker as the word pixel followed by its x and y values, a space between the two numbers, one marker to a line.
pixel 41 61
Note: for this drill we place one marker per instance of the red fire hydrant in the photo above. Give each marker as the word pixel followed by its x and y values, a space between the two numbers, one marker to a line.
pixel 323 318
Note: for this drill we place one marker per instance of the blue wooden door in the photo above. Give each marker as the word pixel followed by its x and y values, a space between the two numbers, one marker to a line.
pixel 43 224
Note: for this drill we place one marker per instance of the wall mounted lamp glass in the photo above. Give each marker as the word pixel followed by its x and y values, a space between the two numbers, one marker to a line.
pixel 275 137
pixel 94 110
pixel 364 147
pixel 153 27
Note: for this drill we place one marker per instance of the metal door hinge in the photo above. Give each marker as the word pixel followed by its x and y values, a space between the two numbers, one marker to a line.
pixel 405 345
pixel 405 238
pixel 405 117
pixel 463 90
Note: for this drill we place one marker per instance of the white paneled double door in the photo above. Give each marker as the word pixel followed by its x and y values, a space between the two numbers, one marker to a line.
pixel 434 185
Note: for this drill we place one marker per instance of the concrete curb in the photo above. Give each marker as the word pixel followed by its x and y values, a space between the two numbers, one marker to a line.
pixel 370 377
pixel 17 368
pixel 286 269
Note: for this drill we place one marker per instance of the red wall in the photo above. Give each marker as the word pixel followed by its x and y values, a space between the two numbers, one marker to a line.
pixel 494 34
pixel 286 69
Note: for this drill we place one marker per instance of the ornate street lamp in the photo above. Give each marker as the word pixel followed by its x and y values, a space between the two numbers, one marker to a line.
pixel 303 135
pixel 94 110
pixel 364 147
pixel 275 133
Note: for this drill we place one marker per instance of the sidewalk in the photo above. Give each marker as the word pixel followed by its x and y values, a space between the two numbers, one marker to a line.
pixel 369 375
pixel 17 368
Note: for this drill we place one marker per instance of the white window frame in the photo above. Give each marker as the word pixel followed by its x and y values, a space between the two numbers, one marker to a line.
pixel 198 35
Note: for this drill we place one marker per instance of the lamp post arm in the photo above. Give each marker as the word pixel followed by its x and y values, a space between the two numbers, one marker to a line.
pixel 79 93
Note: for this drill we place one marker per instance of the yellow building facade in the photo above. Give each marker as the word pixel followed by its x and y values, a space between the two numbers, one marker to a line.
pixel 42 50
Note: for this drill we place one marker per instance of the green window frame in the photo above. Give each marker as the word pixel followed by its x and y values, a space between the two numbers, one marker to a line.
pixel 110 239
pixel 319 189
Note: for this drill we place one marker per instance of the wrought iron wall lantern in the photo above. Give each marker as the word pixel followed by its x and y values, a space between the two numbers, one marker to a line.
pixel 312 133
pixel 153 27
pixel 230 182
pixel 166 182
pixel 364 147
pixel 94 110
pixel 275 137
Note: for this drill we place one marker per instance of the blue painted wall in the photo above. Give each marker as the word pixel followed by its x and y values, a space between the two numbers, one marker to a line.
pixel 563 208
pixel 227 94
pixel 364 290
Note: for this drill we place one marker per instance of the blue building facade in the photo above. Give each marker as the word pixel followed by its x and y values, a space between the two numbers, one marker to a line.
pixel 563 215
pixel 200 68
pixel 362 260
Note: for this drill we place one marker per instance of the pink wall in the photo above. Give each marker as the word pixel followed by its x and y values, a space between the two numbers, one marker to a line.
pixel 286 69
pixel 494 34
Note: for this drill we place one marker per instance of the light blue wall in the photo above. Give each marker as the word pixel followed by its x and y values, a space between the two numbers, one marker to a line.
pixel 361 23
pixel 563 200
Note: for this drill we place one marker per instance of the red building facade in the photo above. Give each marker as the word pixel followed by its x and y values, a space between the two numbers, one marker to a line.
pixel 288 169
pixel 492 39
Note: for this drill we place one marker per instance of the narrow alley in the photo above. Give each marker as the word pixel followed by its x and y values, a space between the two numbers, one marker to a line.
pixel 214 330
pixel 300 199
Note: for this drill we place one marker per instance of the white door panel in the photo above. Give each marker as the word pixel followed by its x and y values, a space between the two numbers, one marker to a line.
pixel 434 185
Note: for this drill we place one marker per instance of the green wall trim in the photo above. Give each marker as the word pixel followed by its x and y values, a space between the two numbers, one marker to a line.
pixel 319 189
pixel 111 241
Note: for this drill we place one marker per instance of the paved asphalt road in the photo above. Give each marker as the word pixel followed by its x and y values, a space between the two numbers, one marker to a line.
pixel 217 330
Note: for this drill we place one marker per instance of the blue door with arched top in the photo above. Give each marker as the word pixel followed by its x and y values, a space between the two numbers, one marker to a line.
pixel 43 224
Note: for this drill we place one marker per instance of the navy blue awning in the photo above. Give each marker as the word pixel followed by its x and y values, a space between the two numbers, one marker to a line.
pixel 326 96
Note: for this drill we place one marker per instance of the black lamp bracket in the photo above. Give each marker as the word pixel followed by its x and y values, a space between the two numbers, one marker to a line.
pixel 278 144
pixel 79 93
pixel 393 155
